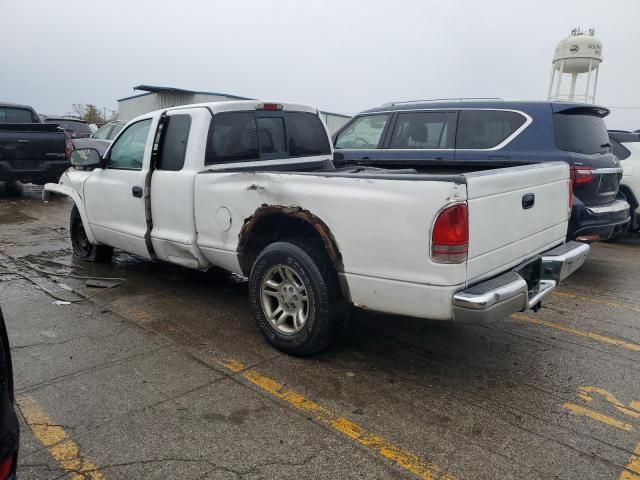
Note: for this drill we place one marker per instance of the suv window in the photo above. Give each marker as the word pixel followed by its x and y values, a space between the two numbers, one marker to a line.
pixel 421 130
pixel 174 143
pixel 127 152
pixel 364 132
pixel 482 129
pixel 579 131
pixel 233 137
pixel 16 115
pixel 272 142
pixel 306 135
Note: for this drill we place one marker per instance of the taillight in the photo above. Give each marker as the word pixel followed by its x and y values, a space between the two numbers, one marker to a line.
pixel 581 175
pixel 68 148
pixel 450 236
pixel 570 196
pixel 6 466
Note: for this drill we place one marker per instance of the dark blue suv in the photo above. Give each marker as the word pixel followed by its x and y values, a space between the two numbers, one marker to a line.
pixel 452 134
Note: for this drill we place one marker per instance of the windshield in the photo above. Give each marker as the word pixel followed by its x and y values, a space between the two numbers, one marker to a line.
pixel 581 131
pixel 15 115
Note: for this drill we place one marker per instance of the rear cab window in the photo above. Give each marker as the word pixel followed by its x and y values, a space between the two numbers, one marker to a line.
pixel 581 130
pixel 16 115
pixel 363 133
pixel 484 129
pixel 247 136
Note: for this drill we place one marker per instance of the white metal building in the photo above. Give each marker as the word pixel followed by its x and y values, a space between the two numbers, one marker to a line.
pixel 156 98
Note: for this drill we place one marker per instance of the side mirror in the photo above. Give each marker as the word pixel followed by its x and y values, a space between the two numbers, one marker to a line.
pixel 86 158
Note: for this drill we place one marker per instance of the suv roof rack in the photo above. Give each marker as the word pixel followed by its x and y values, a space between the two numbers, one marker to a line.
pixel 458 99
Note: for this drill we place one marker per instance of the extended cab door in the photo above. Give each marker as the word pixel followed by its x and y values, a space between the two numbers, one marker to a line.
pixel 115 197
pixel 179 157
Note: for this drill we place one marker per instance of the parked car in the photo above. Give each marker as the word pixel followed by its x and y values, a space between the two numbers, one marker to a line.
pixel 251 187
pixel 495 133
pixel 30 151
pixel 626 146
pixel 76 127
pixel 101 139
pixel 9 429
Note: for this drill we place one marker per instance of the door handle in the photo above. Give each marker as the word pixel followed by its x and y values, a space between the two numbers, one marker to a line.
pixel 528 200
pixel 136 191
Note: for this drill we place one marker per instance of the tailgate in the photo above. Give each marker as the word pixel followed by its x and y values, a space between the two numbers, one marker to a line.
pixel 25 148
pixel 515 213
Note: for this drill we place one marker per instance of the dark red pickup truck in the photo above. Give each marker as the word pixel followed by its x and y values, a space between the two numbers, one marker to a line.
pixel 31 151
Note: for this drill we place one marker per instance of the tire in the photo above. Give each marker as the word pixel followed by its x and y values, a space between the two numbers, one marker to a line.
pixel 309 273
pixel 81 246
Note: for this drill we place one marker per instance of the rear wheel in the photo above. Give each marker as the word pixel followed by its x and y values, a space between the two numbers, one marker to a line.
pixel 82 248
pixel 295 296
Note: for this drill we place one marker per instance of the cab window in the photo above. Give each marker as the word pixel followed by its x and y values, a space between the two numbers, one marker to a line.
pixel 174 144
pixel 272 142
pixel 127 152
pixel 363 133
pixel 233 137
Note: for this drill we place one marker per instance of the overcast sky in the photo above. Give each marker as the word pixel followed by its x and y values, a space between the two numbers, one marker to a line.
pixel 340 55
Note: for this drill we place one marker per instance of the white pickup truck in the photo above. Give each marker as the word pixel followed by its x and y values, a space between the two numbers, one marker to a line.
pixel 251 188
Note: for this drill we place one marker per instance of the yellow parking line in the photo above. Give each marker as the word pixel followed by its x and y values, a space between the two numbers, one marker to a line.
pixel 594 300
pixel 635 347
pixel 62 448
pixel 632 468
pixel 587 412
pixel 383 447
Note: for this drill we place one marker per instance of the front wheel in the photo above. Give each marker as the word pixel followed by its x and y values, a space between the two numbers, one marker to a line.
pixel 82 248
pixel 296 299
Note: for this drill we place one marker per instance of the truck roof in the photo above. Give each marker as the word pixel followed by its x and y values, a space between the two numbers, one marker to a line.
pixel 16 105
pixel 234 105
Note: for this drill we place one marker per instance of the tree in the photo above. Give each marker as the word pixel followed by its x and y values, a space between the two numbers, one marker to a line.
pixel 89 113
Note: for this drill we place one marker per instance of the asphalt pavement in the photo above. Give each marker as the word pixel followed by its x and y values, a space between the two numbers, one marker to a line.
pixel 167 376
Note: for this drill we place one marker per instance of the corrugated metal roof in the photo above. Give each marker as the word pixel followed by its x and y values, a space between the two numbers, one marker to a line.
pixel 150 89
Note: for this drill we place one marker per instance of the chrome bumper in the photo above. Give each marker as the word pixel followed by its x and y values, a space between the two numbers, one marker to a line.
pixel 519 289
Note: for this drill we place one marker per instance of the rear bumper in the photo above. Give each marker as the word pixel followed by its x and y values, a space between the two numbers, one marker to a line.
pixel 519 289
pixel 37 171
pixel 601 220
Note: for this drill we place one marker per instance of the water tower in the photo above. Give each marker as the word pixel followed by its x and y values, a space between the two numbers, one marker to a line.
pixel 579 55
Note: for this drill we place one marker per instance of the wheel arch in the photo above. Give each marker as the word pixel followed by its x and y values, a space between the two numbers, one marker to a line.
pixel 59 189
pixel 628 193
pixel 271 223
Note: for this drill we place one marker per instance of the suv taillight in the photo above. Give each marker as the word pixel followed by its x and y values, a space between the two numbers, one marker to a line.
pixel 581 175
pixel 450 236
pixel 68 147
